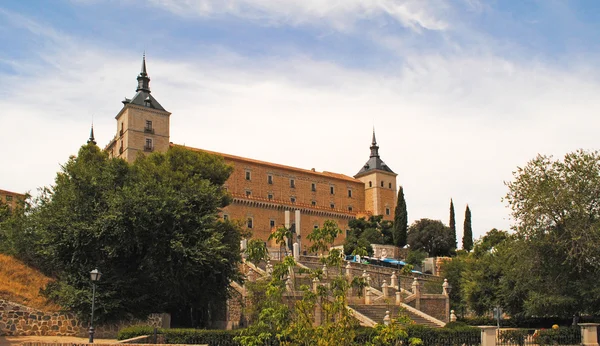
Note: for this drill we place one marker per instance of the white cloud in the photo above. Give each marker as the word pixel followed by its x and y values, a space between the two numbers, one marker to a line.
pixel 450 126
pixel 340 14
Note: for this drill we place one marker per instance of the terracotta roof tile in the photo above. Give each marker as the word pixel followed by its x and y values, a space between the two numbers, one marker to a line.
pixel 270 164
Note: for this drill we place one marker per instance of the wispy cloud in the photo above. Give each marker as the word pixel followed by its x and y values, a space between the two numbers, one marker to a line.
pixel 340 14
pixel 450 124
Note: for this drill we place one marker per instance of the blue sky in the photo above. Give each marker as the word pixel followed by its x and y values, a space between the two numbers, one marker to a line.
pixel 461 92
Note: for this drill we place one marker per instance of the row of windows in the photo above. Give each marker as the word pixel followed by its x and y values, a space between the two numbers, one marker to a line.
pixel 293 200
pixel 250 222
pixel 382 184
pixel 313 186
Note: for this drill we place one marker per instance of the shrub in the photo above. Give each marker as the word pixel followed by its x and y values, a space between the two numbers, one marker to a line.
pixel 560 336
pixel 184 336
pixel 134 331
pixel 514 336
pixel 200 336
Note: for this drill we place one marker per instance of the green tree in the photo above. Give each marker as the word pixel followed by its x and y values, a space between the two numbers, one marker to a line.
pixel 281 236
pixel 555 206
pixel 152 229
pixel 483 271
pixel 322 238
pixel 400 220
pixel 431 236
pixel 452 224
pixel 257 251
pixel 364 232
pixel 453 271
pixel 467 231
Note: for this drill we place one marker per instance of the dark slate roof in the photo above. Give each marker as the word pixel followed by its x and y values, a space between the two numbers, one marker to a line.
pixel 375 162
pixel 142 96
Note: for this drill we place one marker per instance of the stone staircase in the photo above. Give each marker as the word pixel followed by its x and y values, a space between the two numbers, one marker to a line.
pixel 376 312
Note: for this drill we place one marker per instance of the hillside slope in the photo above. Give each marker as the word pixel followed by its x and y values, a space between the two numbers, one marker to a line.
pixel 22 284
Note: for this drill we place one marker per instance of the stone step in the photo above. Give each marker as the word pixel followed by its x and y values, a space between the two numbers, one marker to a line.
pixel 377 313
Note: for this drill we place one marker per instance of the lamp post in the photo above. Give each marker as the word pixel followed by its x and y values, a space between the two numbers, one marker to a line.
pixel 95 276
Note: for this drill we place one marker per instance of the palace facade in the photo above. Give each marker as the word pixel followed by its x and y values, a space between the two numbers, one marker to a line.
pixel 263 191
pixel 11 199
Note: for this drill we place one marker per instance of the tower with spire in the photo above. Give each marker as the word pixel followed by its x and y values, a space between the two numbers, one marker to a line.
pixel 92 139
pixel 143 125
pixel 380 184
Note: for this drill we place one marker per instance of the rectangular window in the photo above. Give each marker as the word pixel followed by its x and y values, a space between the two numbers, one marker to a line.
pixel 9 198
pixel 315 226
pixel 248 175
pixel 148 127
pixel 225 217
pixel 382 183
pixel 293 199
pixel 148 146
pixel 313 203
pixel 331 190
pixel 350 208
pixel 332 206
pixel 248 193
pixel 270 196
pixel 313 187
pixel 390 185
pixel 292 183
pixel 269 179
pixel 349 193
pixel 250 223
pixel 387 211
pixel 272 223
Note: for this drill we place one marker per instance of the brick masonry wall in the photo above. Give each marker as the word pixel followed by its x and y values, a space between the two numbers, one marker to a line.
pixel 19 320
pixel 434 306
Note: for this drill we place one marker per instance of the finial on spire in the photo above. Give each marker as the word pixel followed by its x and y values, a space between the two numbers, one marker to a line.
pixel 143 72
pixel 92 139
pixel 143 79
pixel 374 142
pixel 374 146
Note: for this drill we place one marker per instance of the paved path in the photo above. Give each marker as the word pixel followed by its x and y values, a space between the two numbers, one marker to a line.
pixel 17 340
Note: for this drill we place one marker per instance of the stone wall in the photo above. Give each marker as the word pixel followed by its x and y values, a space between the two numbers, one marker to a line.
pixel 19 320
pixel 434 306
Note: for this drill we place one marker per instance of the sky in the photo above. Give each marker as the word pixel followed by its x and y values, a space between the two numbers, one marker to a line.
pixel 460 92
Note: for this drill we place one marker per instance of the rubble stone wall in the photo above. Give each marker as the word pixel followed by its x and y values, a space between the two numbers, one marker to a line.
pixel 19 320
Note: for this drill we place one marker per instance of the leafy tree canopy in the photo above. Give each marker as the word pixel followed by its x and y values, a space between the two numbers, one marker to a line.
pixel 151 228
pixel 431 236
pixel 365 232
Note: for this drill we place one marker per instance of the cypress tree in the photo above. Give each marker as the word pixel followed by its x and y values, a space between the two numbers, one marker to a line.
pixel 453 224
pixel 468 232
pixel 400 220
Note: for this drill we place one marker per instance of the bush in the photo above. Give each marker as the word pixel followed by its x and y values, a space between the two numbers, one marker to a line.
pixel 455 333
pixel 513 336
pixel 560 336
pixel 134 331
pixel 184 336
pixel 528 322
pixel 200 336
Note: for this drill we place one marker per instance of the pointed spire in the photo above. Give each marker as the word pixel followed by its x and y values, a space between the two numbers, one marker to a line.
pixel 142 78
pixel 374 142
pixel 374 146
pixel 92 139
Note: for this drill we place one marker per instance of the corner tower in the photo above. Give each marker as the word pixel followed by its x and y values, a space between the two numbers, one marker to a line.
pixel 380 184
pixel 142 123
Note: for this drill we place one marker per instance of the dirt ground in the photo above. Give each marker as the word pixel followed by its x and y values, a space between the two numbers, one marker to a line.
pixel 17 340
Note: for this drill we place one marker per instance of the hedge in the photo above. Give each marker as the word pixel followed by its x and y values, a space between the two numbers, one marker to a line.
pixel 184 336
pixel 527 322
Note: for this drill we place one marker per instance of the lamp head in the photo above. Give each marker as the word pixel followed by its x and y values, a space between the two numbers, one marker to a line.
pixel 95 275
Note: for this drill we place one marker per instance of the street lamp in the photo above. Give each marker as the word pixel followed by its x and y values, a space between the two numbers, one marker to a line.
pixel 95 276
